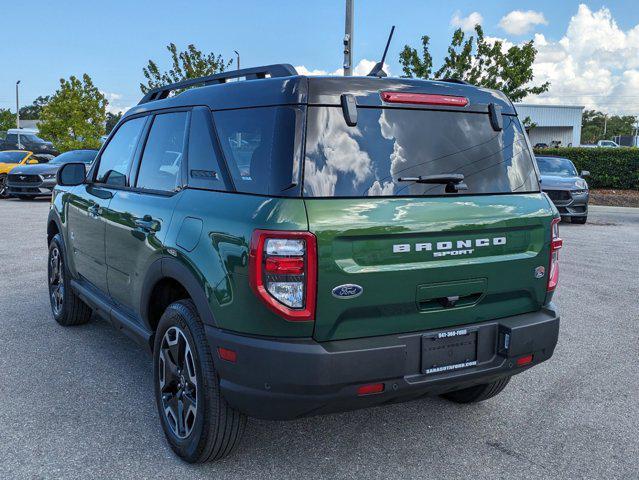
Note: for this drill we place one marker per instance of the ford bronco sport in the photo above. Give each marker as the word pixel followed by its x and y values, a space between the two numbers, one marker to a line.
pixel 289 246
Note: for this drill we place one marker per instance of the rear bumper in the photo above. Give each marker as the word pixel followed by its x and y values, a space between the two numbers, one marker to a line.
pixel 287 378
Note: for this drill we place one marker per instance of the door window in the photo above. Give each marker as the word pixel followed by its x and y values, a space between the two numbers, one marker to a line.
pixel 161 162
pixel 116 159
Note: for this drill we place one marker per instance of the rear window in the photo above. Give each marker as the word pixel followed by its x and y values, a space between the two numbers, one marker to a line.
pixel 387 144
pixel 262 147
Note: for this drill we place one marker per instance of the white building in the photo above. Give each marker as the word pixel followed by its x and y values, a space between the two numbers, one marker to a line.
pixel 554 123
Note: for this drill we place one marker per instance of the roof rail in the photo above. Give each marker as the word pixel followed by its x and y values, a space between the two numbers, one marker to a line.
pixel 276 70
pixel 452 80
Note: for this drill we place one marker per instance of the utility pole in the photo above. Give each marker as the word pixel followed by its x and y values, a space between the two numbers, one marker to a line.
pixel 18 110
pixel 348 39
pixel 605 124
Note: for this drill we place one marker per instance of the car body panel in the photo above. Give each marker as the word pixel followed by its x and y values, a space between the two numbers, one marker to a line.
pixel 86 209
pixel 357 239
pixel 220 256
pixel 136 225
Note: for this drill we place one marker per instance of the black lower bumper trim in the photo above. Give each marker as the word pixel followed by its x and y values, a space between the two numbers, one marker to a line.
pixel 291 378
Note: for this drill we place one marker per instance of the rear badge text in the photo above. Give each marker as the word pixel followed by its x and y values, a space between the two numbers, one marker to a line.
pixel 449 248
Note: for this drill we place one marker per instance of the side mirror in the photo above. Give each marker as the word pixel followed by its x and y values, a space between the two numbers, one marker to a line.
pixel 32 161
pixel 71 174
pixel 585 173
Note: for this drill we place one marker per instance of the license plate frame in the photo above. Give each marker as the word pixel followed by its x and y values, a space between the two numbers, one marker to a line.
pixel 449 350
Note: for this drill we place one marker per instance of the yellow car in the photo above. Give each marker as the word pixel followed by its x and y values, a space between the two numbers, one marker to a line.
pixel 9 159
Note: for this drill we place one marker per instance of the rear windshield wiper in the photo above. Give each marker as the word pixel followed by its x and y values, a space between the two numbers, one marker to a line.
pixel 454 181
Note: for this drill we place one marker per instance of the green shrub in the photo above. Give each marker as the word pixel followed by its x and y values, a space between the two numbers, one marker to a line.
pixel 608 167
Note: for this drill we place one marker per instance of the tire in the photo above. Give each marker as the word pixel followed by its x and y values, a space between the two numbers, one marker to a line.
pixel 478 393
pixel 4 190
pixel 183 373
pixel 67 308
pixel 579 220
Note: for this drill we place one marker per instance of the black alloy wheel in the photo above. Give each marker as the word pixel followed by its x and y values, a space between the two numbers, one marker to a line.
pixel 4 189
pixel 56 280
pixel 178 382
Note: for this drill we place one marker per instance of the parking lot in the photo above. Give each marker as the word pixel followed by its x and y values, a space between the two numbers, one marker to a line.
pixel 77 402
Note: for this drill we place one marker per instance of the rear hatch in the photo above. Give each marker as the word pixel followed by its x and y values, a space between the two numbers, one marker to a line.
pixel 399 256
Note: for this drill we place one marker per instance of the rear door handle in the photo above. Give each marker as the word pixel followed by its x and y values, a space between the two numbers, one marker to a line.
pixel 147 223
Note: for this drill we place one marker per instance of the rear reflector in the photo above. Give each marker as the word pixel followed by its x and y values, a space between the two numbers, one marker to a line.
pixel 524 360
pixel 424 99
pixel 370 389
pixel 555 245
pixel 285 265
pixel 226 354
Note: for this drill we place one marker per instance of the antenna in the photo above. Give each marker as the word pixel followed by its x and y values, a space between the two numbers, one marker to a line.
pixel 378 69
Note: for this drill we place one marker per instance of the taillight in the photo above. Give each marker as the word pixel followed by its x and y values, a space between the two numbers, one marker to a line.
pixel 283 272
pixel 424 99
pixel 555 245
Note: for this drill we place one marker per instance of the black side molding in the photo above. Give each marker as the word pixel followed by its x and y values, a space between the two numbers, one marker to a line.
pixel 105 308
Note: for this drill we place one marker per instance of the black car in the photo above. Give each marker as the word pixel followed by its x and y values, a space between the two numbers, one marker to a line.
pixel 27 141
pixel 565 187
pixel 30 181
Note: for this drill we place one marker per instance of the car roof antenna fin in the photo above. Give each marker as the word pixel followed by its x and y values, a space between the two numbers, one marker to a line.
pixel 378 69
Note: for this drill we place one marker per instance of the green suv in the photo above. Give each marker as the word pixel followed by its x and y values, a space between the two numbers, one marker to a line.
pixel 288 246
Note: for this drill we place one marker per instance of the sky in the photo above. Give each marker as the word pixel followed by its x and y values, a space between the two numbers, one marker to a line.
pixel 588 50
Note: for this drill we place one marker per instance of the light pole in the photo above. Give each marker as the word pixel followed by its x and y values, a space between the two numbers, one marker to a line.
pixel 348 39
pixel 18 111
pixel 238 62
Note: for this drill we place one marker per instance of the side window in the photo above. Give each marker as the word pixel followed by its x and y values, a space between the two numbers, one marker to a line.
pixel 204 165
pixel 163 154
pixel 118 154
pixel 12 137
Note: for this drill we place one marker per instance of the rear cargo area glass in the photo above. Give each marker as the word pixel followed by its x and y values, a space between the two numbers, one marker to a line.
pixel 367 160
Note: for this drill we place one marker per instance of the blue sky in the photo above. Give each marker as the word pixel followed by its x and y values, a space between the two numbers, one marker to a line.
pixel 112 41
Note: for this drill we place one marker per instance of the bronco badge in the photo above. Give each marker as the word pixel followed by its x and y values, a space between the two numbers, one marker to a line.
pixel 348 290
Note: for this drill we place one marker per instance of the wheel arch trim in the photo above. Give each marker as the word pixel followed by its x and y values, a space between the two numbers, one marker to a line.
pixel 167 267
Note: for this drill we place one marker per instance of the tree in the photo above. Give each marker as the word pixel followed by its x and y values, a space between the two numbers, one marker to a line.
pixel 111 120
pixel 593 124
pixel 75 115
pixel 33 111
pixel 7 119
pixel 480 62
pixel 190 63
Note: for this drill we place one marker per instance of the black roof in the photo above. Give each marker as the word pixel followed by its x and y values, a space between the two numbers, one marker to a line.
pixel 221 92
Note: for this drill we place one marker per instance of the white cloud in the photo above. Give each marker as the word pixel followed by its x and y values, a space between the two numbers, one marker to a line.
pixel 468 23
pixel 595 64
pixel 361 69
pixel 519 22
pixel 116 102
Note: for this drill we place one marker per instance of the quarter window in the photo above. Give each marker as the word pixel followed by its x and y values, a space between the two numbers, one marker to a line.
pixel 204 165
pixel 261 148
pixel 116 159
pixel 161 162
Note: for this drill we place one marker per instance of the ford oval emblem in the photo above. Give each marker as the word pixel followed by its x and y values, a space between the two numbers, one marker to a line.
pixel 348 290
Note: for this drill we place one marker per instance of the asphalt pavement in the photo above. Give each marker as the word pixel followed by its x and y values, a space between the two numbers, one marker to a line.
pixel 77 402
